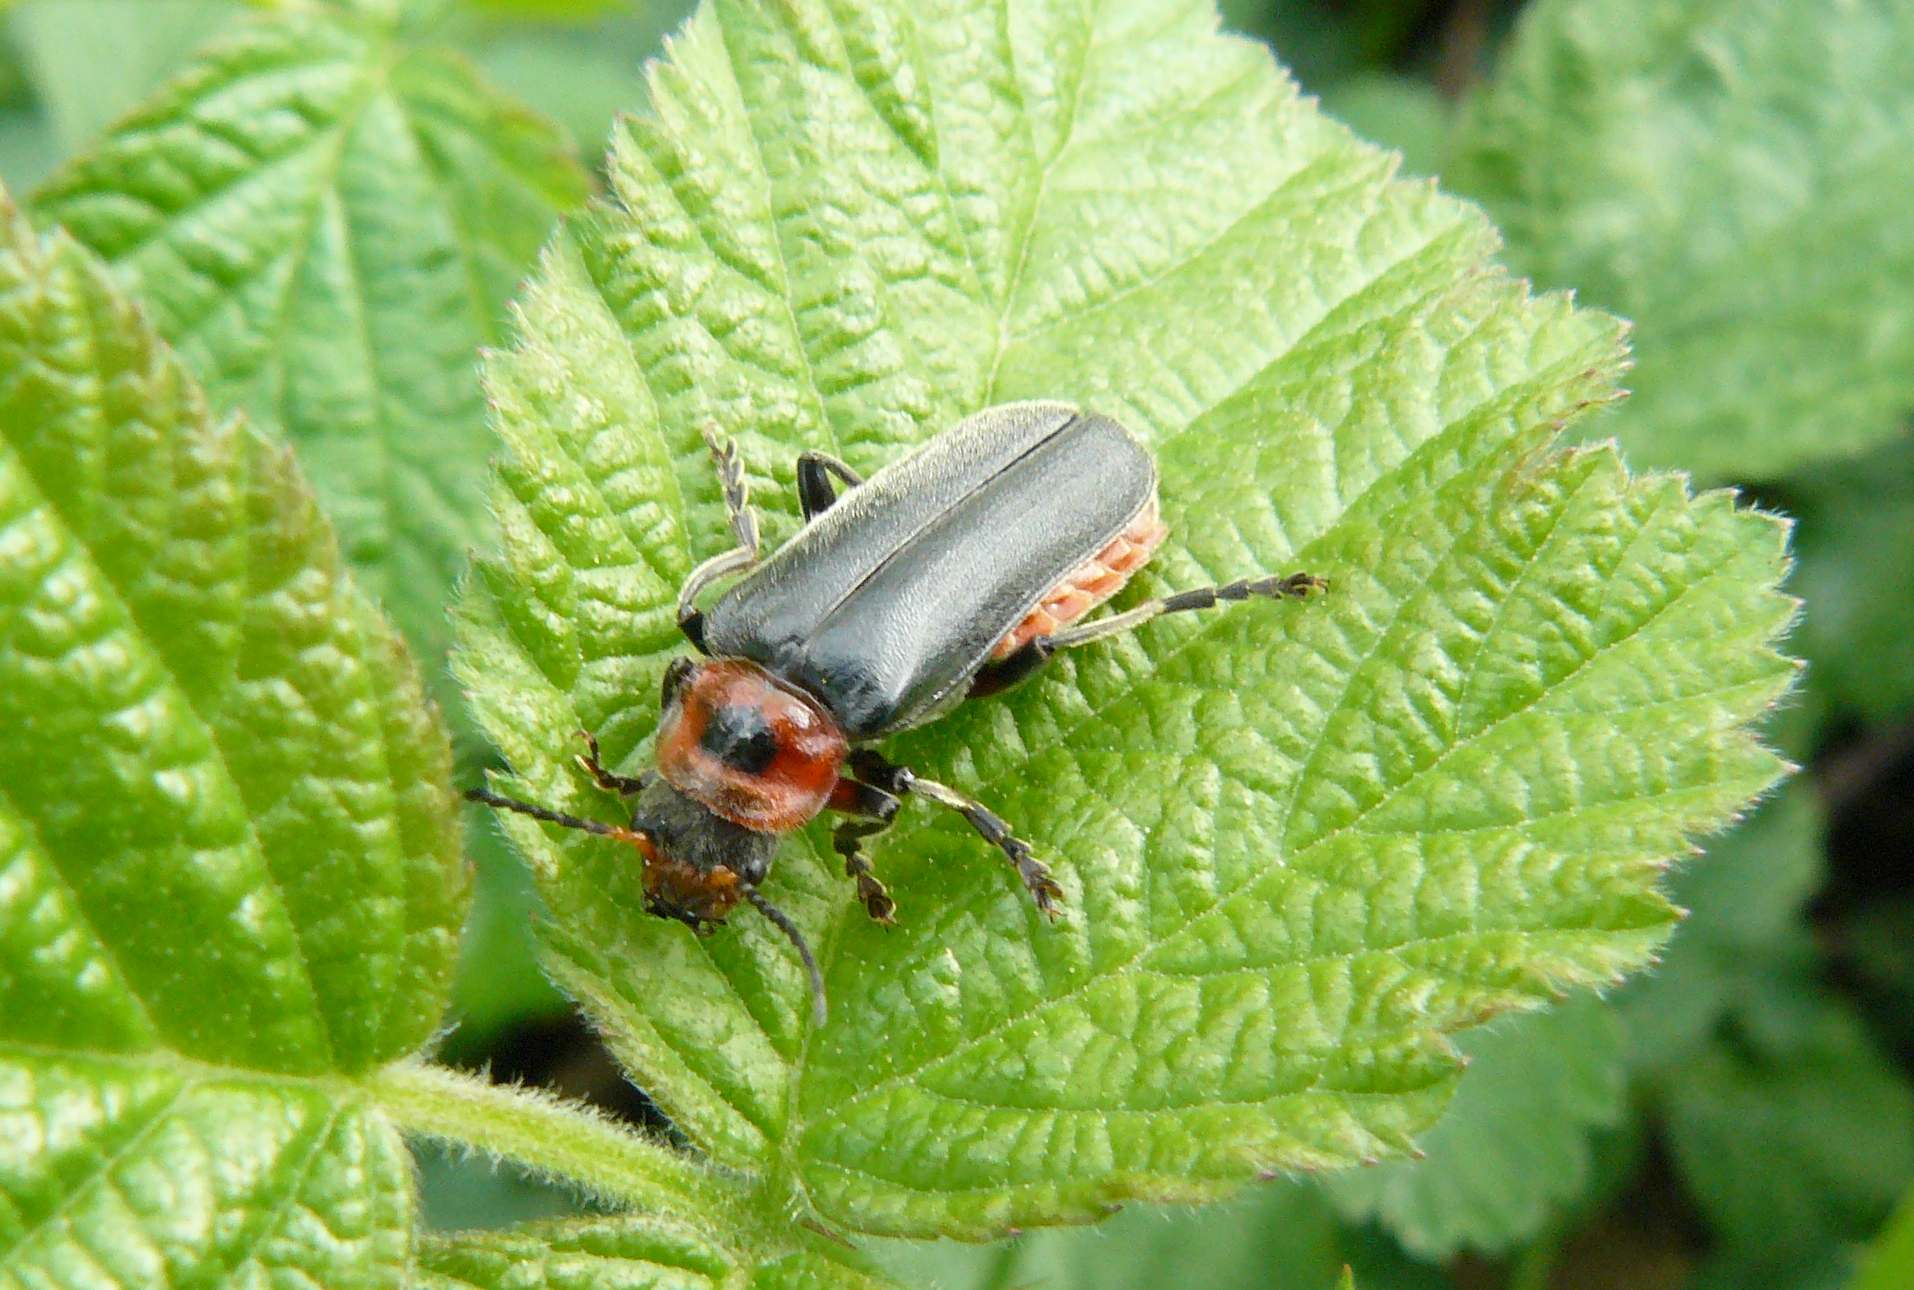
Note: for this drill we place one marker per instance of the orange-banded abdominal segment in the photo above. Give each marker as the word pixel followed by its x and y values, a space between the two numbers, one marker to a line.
pixel 1090 583
pixel 748 748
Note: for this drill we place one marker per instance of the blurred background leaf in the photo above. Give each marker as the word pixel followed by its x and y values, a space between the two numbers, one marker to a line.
pixel 1734 178
pixel 92 61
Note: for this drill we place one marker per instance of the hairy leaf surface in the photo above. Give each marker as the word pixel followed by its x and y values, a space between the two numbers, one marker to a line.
pixel 1734 178
pixel 1301 842
pixel 324 215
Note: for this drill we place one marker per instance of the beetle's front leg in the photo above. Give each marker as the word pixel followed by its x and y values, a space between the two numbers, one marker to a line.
pixel 900 780
pixel 744 528
pixel 623 785
pixel 874 810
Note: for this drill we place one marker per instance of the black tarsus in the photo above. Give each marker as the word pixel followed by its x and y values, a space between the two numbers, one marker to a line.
pixel 784 924
pixel 872 810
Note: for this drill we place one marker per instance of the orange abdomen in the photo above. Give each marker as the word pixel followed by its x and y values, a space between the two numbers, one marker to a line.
pixel 1090 583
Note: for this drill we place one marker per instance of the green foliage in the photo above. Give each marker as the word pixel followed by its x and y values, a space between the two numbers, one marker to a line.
pixel 232 888
pixel 499 981
pixel 1743 942
pixel 93 60
pixel 1402 113
pixel 1732 177
pixel 1793 1140
pixel 1890 1264
pixel 325 213
pixel 1302 842
pixel 581 74
pixel 627 1251
pixel 1513 1149
pixel 1283 1234
pixel 211 738
pixel 1857 562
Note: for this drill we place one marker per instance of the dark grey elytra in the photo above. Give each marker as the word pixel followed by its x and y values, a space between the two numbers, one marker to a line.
pixel 883 612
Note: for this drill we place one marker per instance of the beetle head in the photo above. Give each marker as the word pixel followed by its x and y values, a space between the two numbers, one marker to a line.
pixel 699 865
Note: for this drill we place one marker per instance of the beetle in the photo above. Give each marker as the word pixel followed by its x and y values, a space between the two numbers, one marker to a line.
pixel 953 572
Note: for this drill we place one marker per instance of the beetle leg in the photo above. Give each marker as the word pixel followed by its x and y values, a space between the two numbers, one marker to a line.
pixel 875 810
pixel 815 494
pixel 744 527
pixel 901 780
pixel 623 785
pixel 1293 586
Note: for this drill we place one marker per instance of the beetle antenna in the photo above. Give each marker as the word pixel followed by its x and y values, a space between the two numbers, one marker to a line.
pixel 550 817
pixel 789 928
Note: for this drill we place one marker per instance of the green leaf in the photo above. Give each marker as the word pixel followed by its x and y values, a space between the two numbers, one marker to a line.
pixel 1856 526
pixel 460 1191
pixel 324 215
pixel 1512 1151
pixel 555 10
pixel 1744 936
pixel 1282 1235
pixel 92 60
pixel 1301 843
pixel 27 148
pixel 1733 177
pixel 626 1251
pixel 581 75
pixel 1890 1263
pixel 228 869
pixel 1795 1143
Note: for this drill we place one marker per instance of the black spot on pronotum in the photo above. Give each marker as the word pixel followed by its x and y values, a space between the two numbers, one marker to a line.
pixel 741 738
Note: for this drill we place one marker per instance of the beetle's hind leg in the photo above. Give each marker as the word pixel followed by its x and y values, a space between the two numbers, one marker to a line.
pixel 900 780
pixel 874 810
pixel 744 528
pixel 815 493
pixel 1006 672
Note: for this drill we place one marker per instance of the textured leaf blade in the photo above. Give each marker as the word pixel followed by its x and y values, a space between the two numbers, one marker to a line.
pixel 324 214
pixel 1731 178
pixel 1302 841
pixel 1512 1149
pixel 189 668
pixel 141 1175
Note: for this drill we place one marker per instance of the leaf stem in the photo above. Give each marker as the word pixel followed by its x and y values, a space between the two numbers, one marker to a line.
pixel 566 1141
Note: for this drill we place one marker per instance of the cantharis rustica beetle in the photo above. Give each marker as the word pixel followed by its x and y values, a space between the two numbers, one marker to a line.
pixel 952 572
